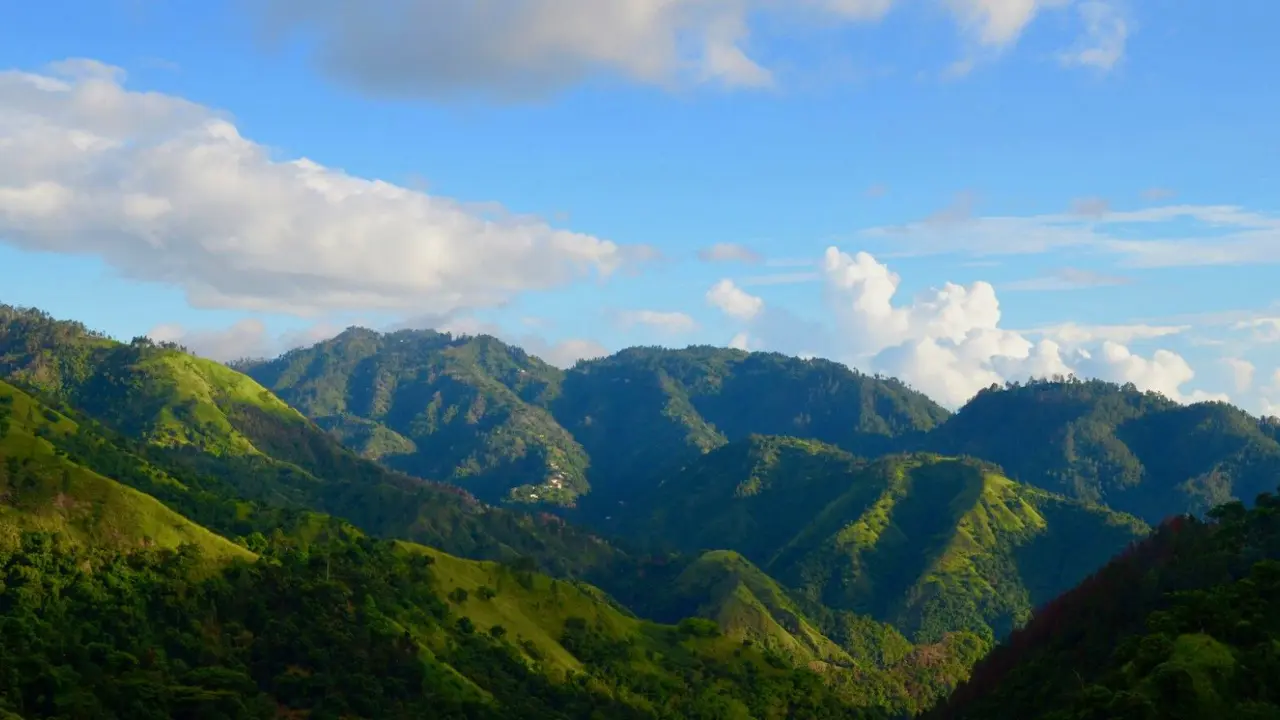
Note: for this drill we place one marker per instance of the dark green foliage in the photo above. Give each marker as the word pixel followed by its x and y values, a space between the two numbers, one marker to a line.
pixel 337 632
pixel 1136 452
pixel 931 545
pixel 466 410
pixel 1184 625
pixel 649 409
pixel 507 426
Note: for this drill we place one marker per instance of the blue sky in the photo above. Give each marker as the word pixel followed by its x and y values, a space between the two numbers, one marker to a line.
pixel 1035 186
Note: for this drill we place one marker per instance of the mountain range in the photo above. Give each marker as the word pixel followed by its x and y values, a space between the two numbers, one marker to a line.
pixel 659 533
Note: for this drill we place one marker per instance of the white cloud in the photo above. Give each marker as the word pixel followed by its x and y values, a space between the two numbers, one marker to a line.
pixel 1074 334
pixel 734 301
pixel 166 190
pixel 565 353
pixel 999 22
pixel 729 252
pixel 1263 329
pixel 1066 279
pixel 1180 235
pixel 246 338
pixel 1241 373
pixel 675 323
pixel 948 342
pixel 523 49
pixel 1103 44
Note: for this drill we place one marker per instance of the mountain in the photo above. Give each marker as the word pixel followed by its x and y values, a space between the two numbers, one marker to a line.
pixel 357 628
pixel 1099 442
pixel 1185 625
pixel 139 405
pixel 111 601
pixel 41 489
pixel 929 544
pixel 467 410
pixel 508 427
pixel 868 663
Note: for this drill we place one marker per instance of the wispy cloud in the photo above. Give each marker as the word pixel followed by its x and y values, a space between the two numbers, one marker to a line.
pixel 1175 235
pixel 1067 279
pixel 729 252
pixel 793 278
pixel 1105 37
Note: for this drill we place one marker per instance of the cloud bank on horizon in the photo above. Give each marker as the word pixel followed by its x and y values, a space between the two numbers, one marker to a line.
pixel 166 190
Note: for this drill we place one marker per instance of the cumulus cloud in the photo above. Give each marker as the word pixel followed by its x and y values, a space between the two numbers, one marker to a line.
pixel 524 48
pixel 674 323
pixel 734 301
pixel 729 252
pixel 948 341
pixel 166 190
pixel 521 49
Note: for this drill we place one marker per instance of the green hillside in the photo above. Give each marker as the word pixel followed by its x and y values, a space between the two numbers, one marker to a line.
pixel 1136 452
pixel 43 490
pixel 644 410
pixel 929 544
pixel 507 426
pixel 359 629
pixel 224 436
pixel 467 410
pixel 1184 626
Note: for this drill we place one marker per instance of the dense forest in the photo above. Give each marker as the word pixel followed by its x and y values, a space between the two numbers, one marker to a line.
pixel 418 524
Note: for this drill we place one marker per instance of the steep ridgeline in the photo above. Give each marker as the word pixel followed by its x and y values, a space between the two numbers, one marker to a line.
pixel 225 436
pixel 646 410
pixel 928 544
pixel 868 663
pixel 471 411
pixel 1139 453
pixel 508 427
pixel 1184 626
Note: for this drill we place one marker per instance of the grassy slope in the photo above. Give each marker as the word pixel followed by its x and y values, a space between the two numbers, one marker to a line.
pixel 749 605
pixel 51 494
pixel 535 610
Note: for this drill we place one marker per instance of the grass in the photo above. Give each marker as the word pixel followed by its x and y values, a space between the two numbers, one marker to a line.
pixel 51 494
pixel 535 611
pixel 193 398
